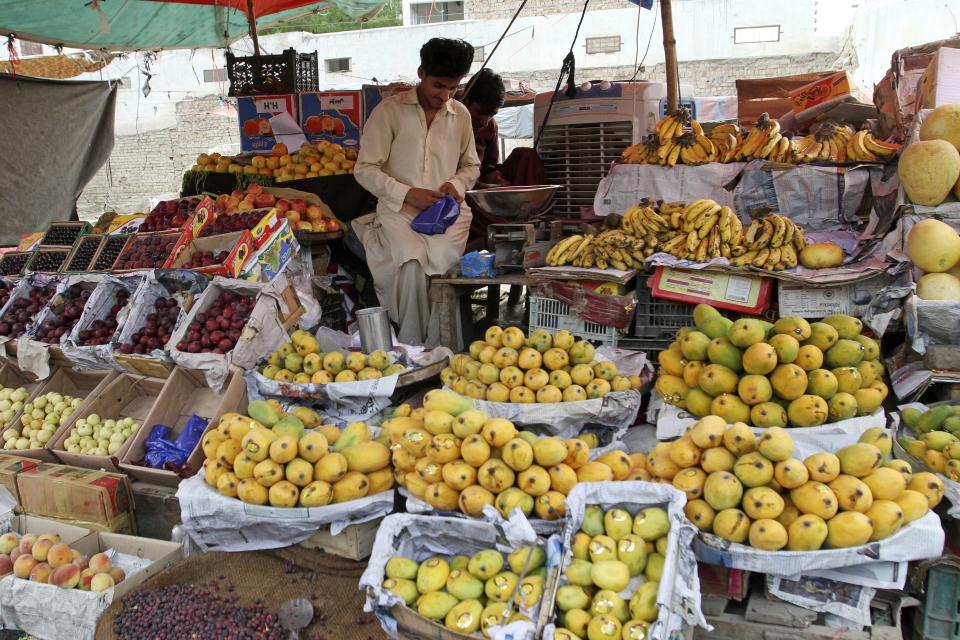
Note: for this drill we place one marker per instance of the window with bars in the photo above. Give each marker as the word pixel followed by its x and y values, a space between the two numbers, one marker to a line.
pixel 214 75
pixel 604 44
pixel 428 12
pixel 479 53
pixel 750 35
pixel 337 65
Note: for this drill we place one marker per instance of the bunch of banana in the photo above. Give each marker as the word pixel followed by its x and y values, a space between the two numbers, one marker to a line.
pixel 726 138
pixel 827 144
pixel 772 243
pixel 696 149
pixel 621 250
pixel 762 139
pixel 707 230
pixel 672 212
pixel 672 125
pixel 862 146
pixel 644 152
pixel 567 249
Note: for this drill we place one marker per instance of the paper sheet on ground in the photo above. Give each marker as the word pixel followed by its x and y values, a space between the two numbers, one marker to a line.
pixel 219 523
pixel 851 602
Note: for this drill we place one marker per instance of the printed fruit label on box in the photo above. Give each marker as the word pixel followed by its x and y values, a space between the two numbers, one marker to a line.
pixel 334 116
pixel 374 94
pixel 255 112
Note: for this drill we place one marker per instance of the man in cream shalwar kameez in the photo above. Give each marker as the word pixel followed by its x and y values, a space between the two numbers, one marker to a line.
pixel 399 150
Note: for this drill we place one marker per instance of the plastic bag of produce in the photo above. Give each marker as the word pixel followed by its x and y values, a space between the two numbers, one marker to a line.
pixel 405 540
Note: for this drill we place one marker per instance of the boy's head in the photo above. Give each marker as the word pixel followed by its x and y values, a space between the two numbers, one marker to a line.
pixel 485 97
pixel 443 64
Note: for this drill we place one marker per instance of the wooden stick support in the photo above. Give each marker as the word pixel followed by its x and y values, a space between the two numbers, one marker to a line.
pixel 670 56
pixel 252 22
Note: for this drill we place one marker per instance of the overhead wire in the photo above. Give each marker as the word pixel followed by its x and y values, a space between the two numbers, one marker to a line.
pixel 569 65
pixel 486 60
pixel 653 27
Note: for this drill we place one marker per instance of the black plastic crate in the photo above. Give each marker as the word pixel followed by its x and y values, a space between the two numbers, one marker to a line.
pixel 657 319
pixel 287 72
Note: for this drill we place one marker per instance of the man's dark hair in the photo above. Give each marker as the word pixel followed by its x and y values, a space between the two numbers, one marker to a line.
pixel 446 58
pixel 487 92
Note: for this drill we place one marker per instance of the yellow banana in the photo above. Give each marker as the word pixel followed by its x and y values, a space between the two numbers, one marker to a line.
pixel 752 231
pixel 772 142
pixel 674 154
pixel 704 229
pixel 779 230
pixel 799 241
pixel 789 256
pixel 744 258
pixel 725 223
pixel 765 234
pixel 701 253
pixel 761 257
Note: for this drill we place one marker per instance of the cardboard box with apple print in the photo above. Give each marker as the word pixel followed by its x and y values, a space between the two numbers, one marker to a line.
pixel 255 112
pixel 333 116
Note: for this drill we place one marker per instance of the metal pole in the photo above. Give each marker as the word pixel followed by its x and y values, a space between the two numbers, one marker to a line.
pixel 670 56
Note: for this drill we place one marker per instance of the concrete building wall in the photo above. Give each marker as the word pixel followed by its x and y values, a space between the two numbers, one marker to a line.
pixel 708 77
pixel 150 165
pixel 504 9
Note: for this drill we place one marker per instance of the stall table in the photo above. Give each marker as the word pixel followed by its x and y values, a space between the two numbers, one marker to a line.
pixel 452 294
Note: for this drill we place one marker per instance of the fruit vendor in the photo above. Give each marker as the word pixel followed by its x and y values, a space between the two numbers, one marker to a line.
pixel 417 147
pixel 484 101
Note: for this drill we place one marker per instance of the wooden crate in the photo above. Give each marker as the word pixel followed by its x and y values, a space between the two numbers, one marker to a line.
pixel 354 543
pixel 770 95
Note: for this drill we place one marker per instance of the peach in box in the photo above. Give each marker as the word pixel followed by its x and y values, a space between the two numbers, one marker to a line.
pixel 162 554
pixel 185 394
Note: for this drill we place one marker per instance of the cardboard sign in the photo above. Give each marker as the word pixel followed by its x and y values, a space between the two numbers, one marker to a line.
pixel 254 112
pixel 334 116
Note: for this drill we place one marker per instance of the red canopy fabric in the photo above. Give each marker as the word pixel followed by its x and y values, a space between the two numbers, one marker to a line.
pixel 261 8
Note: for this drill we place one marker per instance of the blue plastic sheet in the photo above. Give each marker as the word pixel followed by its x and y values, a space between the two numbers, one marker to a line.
pixel 161 451
pixel 477 264
pixel 437 218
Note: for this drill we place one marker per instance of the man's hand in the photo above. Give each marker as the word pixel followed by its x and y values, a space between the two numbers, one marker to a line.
pixel 420 199
pixel 496 178
pixel 448 189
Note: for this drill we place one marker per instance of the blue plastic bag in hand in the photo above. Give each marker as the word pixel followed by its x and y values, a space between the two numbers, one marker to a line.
pixel 437 218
